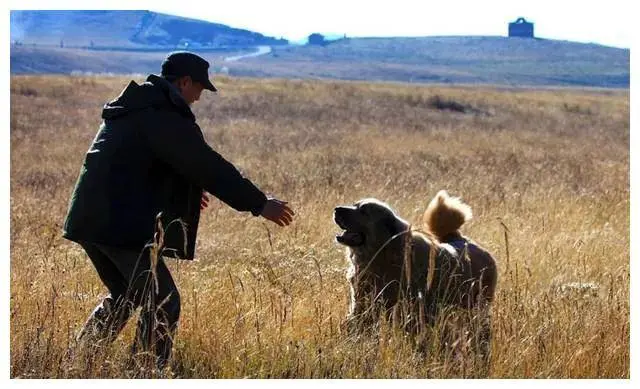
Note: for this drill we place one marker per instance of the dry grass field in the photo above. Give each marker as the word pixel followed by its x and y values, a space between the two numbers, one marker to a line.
pixel 545 171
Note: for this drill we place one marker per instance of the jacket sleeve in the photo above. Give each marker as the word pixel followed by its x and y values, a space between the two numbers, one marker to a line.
pixel 179 143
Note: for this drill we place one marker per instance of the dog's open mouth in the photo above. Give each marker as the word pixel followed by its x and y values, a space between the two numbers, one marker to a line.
pixel 347 237
pixel 350 238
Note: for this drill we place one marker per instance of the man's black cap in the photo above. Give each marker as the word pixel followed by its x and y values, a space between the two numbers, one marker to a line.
pixel 185 63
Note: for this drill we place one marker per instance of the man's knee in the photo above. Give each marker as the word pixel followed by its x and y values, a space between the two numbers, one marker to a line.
pixel 169 306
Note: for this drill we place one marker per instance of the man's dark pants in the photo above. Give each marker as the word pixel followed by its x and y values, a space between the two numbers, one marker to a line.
pixel 128 276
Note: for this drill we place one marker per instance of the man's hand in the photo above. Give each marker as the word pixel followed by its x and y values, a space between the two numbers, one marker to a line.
pixel 204 202
pixel 278 212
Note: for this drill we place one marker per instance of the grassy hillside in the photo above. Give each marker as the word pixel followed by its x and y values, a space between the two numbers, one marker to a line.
pixel 125 29
pixel 547 170
pixel 443 60
pixel 74 28
pixel 491 60
pixel 30 60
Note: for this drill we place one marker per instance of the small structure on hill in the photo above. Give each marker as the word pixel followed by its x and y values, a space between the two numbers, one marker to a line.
pixel 521 28
pixel 316 39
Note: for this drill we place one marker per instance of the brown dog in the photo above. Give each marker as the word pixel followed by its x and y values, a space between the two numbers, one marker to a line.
pixel 391 263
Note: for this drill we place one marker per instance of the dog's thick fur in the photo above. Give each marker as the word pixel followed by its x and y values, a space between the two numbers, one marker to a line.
pixel 442 219
pixel 391 263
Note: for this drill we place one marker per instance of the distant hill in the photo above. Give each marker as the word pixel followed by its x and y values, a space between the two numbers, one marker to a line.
pixel 52 60
pixel 127 29
pixel 450 59
pixel 136 41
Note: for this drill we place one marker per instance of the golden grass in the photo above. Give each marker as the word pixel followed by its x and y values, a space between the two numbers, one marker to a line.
pixel 552 166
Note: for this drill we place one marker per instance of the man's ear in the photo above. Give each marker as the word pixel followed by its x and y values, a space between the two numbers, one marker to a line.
pixel 184 82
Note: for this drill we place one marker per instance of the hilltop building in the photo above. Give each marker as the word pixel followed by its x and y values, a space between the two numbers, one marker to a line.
pixel 521 28
pixel 316 39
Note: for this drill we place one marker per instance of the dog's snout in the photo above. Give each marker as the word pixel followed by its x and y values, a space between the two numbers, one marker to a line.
pixel 341 215
pixel 339 209
pixel 342 211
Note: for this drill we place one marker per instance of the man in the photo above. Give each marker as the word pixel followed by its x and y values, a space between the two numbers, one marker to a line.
pixel 150 159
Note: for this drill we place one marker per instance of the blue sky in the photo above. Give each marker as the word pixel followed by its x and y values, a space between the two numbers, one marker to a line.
pixel 605 22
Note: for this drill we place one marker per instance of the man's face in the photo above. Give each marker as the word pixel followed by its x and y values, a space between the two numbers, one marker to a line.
pixel 189 89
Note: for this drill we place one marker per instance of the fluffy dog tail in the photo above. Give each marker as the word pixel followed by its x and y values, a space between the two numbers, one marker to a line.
pixel 445 215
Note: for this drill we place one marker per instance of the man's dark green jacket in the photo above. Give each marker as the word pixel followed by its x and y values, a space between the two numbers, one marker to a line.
pixel 150 156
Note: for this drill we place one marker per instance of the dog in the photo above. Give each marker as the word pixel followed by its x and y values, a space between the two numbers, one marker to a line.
pixel 427 271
